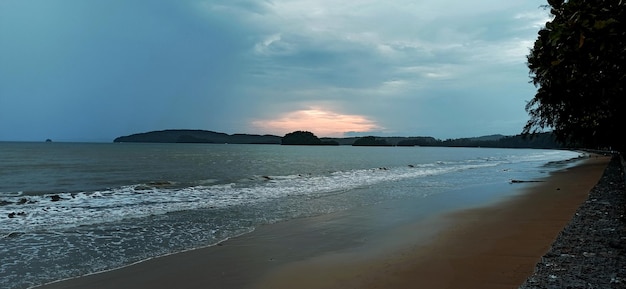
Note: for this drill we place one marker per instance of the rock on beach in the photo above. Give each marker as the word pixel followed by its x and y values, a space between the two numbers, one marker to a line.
pixel 590 252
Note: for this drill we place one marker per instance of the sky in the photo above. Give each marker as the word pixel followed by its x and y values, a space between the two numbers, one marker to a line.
pixel 76 70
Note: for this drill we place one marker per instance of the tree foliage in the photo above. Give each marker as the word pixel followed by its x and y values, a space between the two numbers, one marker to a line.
pixel 305 138
pixel 577 64
pixel 301 138
pixel 370 141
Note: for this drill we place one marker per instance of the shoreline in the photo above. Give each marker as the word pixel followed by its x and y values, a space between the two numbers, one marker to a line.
pixel 267 257
pixel 494 246
pixel 590 252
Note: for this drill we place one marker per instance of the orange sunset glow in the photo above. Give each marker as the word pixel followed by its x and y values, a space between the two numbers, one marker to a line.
pixel 321 122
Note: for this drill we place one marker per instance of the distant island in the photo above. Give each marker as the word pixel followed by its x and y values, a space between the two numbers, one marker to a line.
pixel 542 140
pixel 305 138
pixel 198 136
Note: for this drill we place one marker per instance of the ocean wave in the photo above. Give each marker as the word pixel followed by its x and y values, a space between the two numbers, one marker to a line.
pixel 67 210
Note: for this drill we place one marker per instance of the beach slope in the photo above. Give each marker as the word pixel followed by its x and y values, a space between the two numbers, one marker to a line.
pixel 496 246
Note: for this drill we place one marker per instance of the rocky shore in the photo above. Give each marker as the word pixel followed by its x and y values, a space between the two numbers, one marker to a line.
pixel 591 251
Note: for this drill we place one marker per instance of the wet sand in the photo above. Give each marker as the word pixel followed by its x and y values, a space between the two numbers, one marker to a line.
pixel 591 251
pixel 490 247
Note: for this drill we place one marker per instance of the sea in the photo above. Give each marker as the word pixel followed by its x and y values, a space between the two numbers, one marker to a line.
pixel 73 209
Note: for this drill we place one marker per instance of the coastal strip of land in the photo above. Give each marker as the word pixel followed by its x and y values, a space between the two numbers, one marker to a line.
pixel 497 246
pixel 591 251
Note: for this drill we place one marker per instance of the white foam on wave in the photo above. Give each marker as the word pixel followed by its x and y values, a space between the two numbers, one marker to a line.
pixel 546 156
pixel 66 210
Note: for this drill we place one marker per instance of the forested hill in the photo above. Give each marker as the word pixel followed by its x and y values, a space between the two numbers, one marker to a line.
pixel 198 136
pixel 543 140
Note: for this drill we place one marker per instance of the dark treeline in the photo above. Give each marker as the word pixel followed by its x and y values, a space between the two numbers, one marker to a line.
pixel 540 140
pixel 371 141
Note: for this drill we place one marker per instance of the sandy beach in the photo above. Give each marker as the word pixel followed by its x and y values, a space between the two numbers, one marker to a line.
pixel 496 246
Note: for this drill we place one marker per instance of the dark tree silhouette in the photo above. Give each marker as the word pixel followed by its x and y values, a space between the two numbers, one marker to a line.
pixel 577 64
pixel 301 138
pixel 370 141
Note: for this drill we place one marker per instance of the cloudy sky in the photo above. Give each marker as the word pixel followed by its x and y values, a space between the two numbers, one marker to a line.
pixel 76 70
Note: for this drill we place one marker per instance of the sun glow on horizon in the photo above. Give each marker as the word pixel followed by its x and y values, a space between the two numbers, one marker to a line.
pixel 321 122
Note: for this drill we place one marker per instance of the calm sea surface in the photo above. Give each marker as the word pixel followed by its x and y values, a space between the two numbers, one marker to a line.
pixel 70 209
